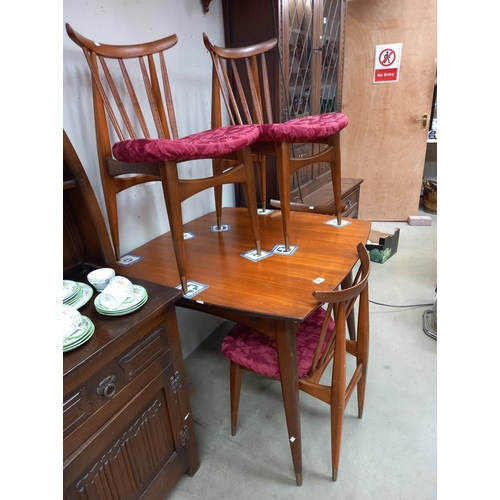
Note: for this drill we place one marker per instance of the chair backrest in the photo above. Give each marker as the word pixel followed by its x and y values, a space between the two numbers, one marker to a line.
pixel 240 80
pixel 118 94
pixel 340 303
pixel 132 99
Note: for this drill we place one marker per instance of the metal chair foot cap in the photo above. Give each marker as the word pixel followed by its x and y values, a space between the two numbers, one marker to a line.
pixel 335 474
pixel 298 477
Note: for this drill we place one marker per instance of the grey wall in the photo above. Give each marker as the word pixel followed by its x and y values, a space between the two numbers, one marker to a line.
pixel 142 213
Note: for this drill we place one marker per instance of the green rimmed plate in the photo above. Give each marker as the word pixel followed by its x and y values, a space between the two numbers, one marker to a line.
pixel 70 289
pixel 140 298
pixel 87 292
pixel 89 329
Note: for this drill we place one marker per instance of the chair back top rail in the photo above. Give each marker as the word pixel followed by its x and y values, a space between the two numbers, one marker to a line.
pixel 241 76
pixel 111 67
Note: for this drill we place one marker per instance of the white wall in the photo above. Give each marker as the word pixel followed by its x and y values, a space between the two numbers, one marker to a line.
pixel 142 213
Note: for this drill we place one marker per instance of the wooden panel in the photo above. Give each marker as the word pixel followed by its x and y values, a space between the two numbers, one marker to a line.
pixel 85 238
pixel 134 451
pixel 383 143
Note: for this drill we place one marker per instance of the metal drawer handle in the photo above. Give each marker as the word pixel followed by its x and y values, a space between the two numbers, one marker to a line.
pixel 349 203
pixel 107 387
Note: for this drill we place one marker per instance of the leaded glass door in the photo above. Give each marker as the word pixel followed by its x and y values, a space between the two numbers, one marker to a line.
pixel 312 49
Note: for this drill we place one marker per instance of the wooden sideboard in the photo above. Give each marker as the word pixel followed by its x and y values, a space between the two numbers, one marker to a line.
pixel 350 196
pixel 127 424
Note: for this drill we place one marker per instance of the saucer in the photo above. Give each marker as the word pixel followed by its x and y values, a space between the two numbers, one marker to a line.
pixel 70 289
pixel 87 292
pixel 140 298
pixel 82 341
pixel 88 331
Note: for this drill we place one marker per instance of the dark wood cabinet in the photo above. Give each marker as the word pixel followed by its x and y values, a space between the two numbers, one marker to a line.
pixel 351 189
pixel 306 66
pixel 127 425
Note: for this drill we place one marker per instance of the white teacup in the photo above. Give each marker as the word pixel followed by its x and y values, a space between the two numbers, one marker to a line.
pixel 72 323
pixel 119 291
pixel 100 278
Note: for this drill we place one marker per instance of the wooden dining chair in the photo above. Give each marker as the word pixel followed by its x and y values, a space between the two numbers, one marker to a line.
pixel 138 139
pixel 321 340
pixel 241 86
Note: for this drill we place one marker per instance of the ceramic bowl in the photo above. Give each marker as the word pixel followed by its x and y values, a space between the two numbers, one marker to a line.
pixel 100 278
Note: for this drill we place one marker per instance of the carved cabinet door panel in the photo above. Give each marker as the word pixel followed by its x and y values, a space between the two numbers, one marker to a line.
pixel 126 454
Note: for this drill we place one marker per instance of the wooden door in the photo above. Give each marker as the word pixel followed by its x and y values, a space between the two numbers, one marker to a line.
pixel 384 143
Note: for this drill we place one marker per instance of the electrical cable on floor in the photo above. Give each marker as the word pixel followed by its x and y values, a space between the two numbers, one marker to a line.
pixel 410 305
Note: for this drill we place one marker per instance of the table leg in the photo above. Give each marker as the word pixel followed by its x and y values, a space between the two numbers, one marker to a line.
pixel 351 320
pixel 286 345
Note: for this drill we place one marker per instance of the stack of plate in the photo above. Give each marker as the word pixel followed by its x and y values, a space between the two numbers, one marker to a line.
pixel 76 340
pixel 76 294
pixel 140 298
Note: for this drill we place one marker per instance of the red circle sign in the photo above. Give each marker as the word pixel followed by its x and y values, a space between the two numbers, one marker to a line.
pixel 387 57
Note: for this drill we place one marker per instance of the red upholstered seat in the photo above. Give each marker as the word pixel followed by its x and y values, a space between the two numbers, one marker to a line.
pixel 304 129
pixel 257 352
pixel 209 144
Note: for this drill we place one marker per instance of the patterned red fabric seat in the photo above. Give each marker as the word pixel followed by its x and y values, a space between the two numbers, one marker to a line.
pixel 257 352
pixel 208 144
pixel 304 129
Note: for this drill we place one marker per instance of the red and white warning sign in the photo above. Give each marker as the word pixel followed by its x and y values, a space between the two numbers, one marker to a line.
pixel 387 63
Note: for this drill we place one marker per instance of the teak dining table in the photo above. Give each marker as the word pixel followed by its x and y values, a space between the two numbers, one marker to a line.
pixel 274 294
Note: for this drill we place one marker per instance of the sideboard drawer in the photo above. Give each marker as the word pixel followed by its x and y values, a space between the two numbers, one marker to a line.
pixel 350 196
pixel 351 202
pixel 113 385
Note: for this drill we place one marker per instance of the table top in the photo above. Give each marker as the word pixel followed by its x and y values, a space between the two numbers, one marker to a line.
pixel 279 286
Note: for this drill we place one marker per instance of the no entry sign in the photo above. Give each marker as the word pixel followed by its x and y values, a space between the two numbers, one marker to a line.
pixel 387 63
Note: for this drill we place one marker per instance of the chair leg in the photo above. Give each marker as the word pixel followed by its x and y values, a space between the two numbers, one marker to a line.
pixel 262 181
pixel 217 170
pixel 337 421
pixel 362 349
pixel 283 170
pixel 172 195
pixel 112 210
pixel 338 396
pixel 235 387
pixel 245 157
